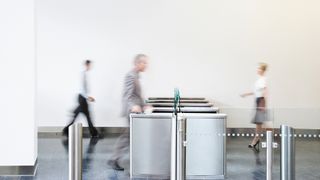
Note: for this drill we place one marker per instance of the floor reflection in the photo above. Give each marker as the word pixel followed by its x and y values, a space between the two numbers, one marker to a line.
pixel 259 171
pixel 242 163
pixel 88 153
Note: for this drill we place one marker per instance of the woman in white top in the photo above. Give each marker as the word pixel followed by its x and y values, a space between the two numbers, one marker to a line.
pixel 260 93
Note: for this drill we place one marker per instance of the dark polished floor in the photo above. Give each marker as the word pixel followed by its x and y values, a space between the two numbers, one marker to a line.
pixel 242 163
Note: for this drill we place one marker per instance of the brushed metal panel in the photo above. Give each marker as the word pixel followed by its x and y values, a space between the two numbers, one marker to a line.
pixel 205 145
pixel 151 145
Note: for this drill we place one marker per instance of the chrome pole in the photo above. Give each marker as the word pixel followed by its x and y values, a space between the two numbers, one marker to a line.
pixel 269 147
pixel 291 154
pixel 75 152
pixel 181 148
pixel 287 153
pixel 173 173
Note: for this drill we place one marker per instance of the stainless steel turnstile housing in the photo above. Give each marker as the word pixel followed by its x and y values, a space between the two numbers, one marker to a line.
pixel 206 146
pixel 150 147
pixel 151 143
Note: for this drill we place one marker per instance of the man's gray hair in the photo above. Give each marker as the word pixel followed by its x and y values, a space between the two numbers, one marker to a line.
pixel 137 58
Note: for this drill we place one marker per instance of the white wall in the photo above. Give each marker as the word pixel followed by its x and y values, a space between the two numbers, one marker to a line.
pixel 18 135
pixel 206 48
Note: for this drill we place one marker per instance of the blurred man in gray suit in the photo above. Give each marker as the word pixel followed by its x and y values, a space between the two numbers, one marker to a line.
pixel 132 102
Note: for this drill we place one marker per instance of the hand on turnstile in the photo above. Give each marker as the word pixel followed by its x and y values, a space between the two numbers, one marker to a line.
pixel 147 109
pixel 136 109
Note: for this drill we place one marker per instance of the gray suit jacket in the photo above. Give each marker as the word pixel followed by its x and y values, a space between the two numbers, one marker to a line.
pixel 132 95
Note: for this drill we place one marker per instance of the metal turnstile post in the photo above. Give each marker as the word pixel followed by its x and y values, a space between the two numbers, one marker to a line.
pixel 269 155
pixel 181 148
pixel 75 152
pixel 173 165
pixel 287 153
pixel 178 148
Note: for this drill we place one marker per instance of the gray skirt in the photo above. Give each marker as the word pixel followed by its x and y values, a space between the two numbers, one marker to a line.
pixel 261 112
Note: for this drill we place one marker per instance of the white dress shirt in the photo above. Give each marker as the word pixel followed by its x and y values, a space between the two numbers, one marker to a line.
pixel 260 85
pixel 84 88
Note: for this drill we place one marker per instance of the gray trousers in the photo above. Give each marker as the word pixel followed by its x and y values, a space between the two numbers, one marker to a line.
pixel 122 148
pixel 122 145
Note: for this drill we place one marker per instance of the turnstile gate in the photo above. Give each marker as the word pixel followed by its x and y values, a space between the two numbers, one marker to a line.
pixel 151 145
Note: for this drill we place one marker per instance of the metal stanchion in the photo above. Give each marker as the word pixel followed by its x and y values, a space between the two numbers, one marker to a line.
pixel 269 154
pixel 178 141
pixel 173 173
pixel 181 148
pixel 269 145
pixel 287 153
pixel 75 152
pixel 178 148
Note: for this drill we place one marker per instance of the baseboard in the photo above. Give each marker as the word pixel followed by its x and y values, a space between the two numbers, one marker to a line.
pixel 19 170
pixel 53 132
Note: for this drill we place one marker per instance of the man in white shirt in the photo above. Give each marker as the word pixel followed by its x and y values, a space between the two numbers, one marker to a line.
pixel 83 100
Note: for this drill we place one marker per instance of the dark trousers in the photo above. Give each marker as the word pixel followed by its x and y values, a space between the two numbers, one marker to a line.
pixel 83 107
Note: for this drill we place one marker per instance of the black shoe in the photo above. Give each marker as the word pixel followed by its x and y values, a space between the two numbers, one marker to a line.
pixel 254 145
pixel 93 142
pixel 65 132
pixel 114 165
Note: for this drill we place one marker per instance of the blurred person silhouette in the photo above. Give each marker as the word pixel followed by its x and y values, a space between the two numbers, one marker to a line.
pixel 132 102
pixel 83 99
pixel 260 92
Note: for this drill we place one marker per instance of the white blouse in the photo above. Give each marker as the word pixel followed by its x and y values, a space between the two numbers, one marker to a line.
pixel 260 85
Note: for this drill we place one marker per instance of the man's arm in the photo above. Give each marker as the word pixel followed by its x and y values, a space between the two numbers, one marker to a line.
pixel 129 94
